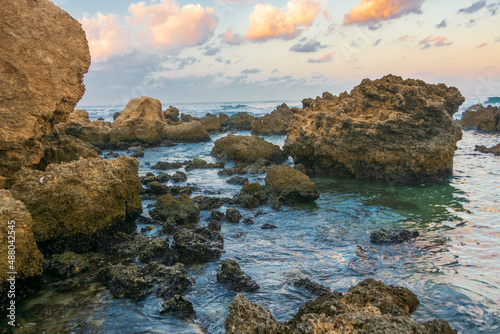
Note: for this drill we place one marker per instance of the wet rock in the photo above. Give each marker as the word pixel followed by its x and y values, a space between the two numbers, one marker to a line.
pixel 288 185
pixel 251 195
pixel 495 149
pixel 158 250
pixel 68 264
pixel 268 226
pixel 216 216
pixel 214 226
pixel 138 154
pixel 211 123
pixel 179 177
pixel 241 121
pixel 178 306
pixel 123 244
pixel 394 130
pixel 163 165
pixel 148 228
pixel 275 123
pixel 66 285
pixel 209 203
pixel 191 132
pixel 232 171
pixel 112 155
pixel 172 114
pixel 76 204
pixel 233 216
pixel 198 245
pixel 248 221
pixel 197 163
pixel 181 209
pixel 481 118
pixel 231 275
pixel 247 317
pixel 239 180
pixel 157 189
pixel 312 287
pixel 247 150
pixel 36 94
pixel 389 237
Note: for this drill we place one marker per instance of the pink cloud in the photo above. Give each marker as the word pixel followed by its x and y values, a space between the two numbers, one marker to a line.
pixel 232 38
pixel 482 45
pixel 380 10
pixel 431 41
pixel 326 58
pixel 407 38
pixel 267 21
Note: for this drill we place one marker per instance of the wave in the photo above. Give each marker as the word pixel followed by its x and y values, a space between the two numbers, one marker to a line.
pixel 239 106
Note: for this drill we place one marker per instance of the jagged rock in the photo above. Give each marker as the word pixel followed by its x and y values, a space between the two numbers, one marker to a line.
pixel 286 184
pixel 148 228
pixel 138 153
pixel 172 114
pixel 75 204
pixel 163 165
pixel 494 150
pixel 79 116
pixel 158 250
pixel 197 163
pixel 43 58
pixel 232 171
pixel 389 237
pixel 123 244
pixel 68 264
pixel 251 195
pixel 395 130
pixel 191 132
pixel 209 203
pixel 275 123
pixel 150 177
pixel 231 275
pixel 214 226
pixel 233 216
pixel 179 177
pixel 248 221
pixel 212 123
pixel 239 180
pixel 481 118
pixel 178 306
pixel 216 216
pixel 181 209
pixel 268 226
pixel 247 150
pixel 241 121
pixel 198 245
pixel 312 287
pixel 156 189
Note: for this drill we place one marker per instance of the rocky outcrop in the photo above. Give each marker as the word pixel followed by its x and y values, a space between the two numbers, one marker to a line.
pixel 247 150
pixel 181 209
pixel 369 307
pixel 198 163
pixel 241 121
pixel 198 245
pixel 275 123
pixel 251 195
pixel 481 118
pixel 233 215
pixel 388 237
pixel 43 58
pixel 68 264
pixel 178 306
pixel 74 204
pixel 16 231
pixel 494 150
pixel 286 185
pixel 395 130
pixel 312 287
pixel 231 275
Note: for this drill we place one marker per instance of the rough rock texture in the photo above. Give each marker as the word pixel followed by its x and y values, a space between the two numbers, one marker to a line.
pixel 74 204
pixel 198 245
pixel 251 195
pixel 239 180
pixel 369 307
pixel 158 250
pixel 312 287
pixel 275 123
pixel 495 149
pixel 286 184
pixel 233 216
pixel 28 259
pixel 388 237
pixel 181 209
pixel 241 121
pixel 198 163
pixel 212 123
pixel 231 275
pixel 178 306
pixel 172 114
pixel 179 177
pixel 209 203
pixel 247 150
pixel 68 264
pixel 43 58
pixel 481 118
pixel 191 132
pixel 395 130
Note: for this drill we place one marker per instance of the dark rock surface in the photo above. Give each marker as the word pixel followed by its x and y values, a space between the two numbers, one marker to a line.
pixel 251 195
pixel 179 177
pixel 68 264
pixel 388 237
pixel 231 275
pixel 494 150
pixel 178 306
pixel 312 287
pixel 197 163
pixel 198 245
pixel 233 215
pixel 239 180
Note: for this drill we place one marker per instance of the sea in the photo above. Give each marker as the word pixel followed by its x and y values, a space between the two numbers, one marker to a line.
pixel 453 267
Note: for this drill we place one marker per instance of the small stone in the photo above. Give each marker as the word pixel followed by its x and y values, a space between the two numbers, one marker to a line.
pixel 233 216
pixel 231 275
pixel 179 177
pixel 268 226
pixel 216 216
pixel 178 306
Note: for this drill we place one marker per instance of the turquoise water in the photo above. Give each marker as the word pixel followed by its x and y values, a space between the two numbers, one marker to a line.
pixel 453 267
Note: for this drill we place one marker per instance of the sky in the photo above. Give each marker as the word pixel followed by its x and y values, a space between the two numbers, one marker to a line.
pixel 245 50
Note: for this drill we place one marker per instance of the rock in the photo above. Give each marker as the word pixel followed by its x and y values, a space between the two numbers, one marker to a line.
pixel 198 245
pixel 211 123
pixel 43 58
pixel 214 226
pixel 79 116
pixel 233 216
pixel 481 118
pixel 268 226
pixel 394 130
pixel 495 149
pixel 389 237
pixel 241 121
pixel 209 203
pixel 246 317
pixel 74 205
pixel 123 244
pixel 137 282
pixel 97 133
pixel 239 180
pixel 197 163
pixel 138 154
pixel 157 250
pixel 251 195
pixel 231 275
pixel 273 124
pixel 27 260
pixel 232 171
pixel 247 150
pixel 172 114
pixel 312 287
pixel 249 221
pixel 178 306
pixel 191 132
pixel 113 155
pixel 182 209
pixel 116 115
pixel 157 189
pixel 288 185
pixel 216 216
pixel 188 118
pixel 148 228
pixel 163 165
pixel 179 177
pixel 68 264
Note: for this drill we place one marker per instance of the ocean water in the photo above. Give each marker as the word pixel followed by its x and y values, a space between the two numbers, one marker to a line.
pixel 454 267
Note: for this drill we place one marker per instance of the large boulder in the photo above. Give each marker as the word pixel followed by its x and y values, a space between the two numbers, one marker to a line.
pixel 74 204
pixel 198 245
pixel 43 58
pixel 395 130
pixel 481 118
pixel 241 121
pixel 286 184
pixel 494 149
pixel 16 231
pixel 190 132
pixel 275 123
pixel 182 210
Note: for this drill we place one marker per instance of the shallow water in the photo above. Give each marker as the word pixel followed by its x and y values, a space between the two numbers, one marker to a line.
pixel 453 267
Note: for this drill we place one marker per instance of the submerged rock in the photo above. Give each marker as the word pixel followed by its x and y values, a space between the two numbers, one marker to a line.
pixel 231 275
pixel 494 150
pixel 158 250
pixel 198 245
pixel 178 306
pixel 43 58
pixel 383 236
pixel 216 216
pixel 275 123
pixel 267 226
pixel 74 205
pixel 481 118
pixel 286 184
pixel 395 130
pixel 181 209
pixel 239 180
pixel 233 216
pixel 163 165
pixel 68 264
pixel 179 177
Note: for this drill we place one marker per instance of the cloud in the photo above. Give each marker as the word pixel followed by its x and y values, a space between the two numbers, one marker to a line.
pixel 232 38
pixel 377 42
pixel 251 71
pixel 180 63
pixel 310 46
pixel 431 41
pixel 482 45
pixel 172 27
pixel 443 24
pixel 211 50
pixel 406 38
pixel 380 10
pixel 268 22
pixel 473 8
pixel 497 39
pixel 326 58
pixel 105 36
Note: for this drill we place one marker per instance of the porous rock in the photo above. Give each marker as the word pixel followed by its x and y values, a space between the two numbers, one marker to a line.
pixel 273 124
pixel 231 275
pixel 494 150
pixel 181 209
pixel 481 118
pixel 286 184
pixel 198 245
pixel 68 264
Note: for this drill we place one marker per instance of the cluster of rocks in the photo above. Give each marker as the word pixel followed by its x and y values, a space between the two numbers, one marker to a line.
pixel 481 118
